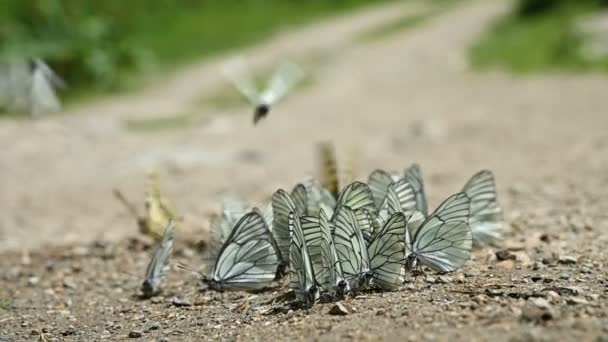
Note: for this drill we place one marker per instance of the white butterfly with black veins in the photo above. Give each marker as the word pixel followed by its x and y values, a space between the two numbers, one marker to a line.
pixel 282 205
pixel 358 197
pixel 301 272
pixel 159 265
pixel 387 252
pixel 249 259
pixel 351 248
pixel 486 219
pixel 42 91
pixel 282 81
pixel 322 252
pixel 443 241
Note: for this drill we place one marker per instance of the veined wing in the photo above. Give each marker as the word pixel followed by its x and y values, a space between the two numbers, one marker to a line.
pixel 350 247
pixel 443 242
pixel 387 253
pixel 299 194
pixel 237 73
pixel 413 175
pixel 357 196
pixel 378 182
pixel 318 197
pixel 283 80
pixel 249 259
pixel 159 265
pixel 282 205
pixel 486 219
pixel 301 271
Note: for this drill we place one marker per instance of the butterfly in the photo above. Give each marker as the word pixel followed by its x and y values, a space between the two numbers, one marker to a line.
pixel 310 196
pixel 387 253
pixel 333 175
pixel 249 259
pixel 282 81
pixel 322 252
pixel 443 240
pixel 486 216
pixel 44 81
pixel 351 248
pixel 301 271
pixel 159 265
pixel 158 209
pixel 358 197
pixel 282 205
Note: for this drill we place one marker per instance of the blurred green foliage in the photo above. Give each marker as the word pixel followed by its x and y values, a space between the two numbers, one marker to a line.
pixel 539 35
pixel 93 43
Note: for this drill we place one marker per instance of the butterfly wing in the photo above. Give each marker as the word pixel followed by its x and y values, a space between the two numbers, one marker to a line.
pixel 350 247
pixel 158 214
pixel 486 219
pixel 282 81
pixel 42 96
pixel 413 175
pixel 387 252
pixel 378 182
pixel 358 196
pixel 282 205
pixel 237 73
pixel 444 241
pixel 250 257
pixel 301 271
pixel 159 265
pixel 299 194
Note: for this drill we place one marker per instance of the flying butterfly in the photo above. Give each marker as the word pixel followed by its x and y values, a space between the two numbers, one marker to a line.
pixel 44 81
pixel 158 210
pixel 443 241
pixel 351 248
pixel 322 252
pixel 158 267
pixel 282 81
pixel 249 259
pixel 301 271
pixel 486 218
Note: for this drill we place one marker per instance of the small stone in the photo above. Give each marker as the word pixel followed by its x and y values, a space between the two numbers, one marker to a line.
pixel 31 281
pixel 156 300
pixel 536 277
pixel 537 310
pixel 69 331
pixel 68 282
pixel 444 279
pixel 594 297
pixel 339 310
pixel 567 260
pixel 153 326
pixel 380 313
pixel 565 276
pixel 180 302
pixel 431 280
pixel 135 334
pixel 553 295
pixel 471 273
pixel 504 254
pixel 577 301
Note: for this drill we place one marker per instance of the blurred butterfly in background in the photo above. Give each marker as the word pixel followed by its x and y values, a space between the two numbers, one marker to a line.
pixel 285 77
pixel 301 271
pixel 333 175
pixel 249 259
pixel 158 210
pixel 29 86
pixel 159 265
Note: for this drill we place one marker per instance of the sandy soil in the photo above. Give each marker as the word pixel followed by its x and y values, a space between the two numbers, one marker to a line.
pixel 408 97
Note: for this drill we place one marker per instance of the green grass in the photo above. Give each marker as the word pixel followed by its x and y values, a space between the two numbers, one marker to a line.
pixel 543 42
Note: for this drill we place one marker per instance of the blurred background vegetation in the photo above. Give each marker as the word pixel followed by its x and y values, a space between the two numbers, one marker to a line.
pixel 96 45
pixel 553 35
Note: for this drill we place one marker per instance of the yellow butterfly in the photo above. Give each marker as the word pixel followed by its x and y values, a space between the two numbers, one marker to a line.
pixel 332 175
pixel 158 210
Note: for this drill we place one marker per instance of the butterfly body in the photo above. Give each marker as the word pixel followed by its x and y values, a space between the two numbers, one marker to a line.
pixel 260 112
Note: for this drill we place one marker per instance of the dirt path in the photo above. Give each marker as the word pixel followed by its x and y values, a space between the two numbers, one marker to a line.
pixel 409 97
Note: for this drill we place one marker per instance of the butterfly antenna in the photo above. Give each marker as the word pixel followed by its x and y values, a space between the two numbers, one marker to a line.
pixel 129 205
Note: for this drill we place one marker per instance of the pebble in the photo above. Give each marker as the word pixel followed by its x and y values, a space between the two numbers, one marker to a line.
pixel 153 326
pixel 380 313
pixel 565 276
pixel 135 334
pixel 577 301
pixel 504 254
pixel 180 302
pixel 33 281
pixel 69 283
pixel 553 295
pixel 567 260
pixel 430 280
pixel 537 310
pixel 339 310
pixel 444 279
pixel 471 273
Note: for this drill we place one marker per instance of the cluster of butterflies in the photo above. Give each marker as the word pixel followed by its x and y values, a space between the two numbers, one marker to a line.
pixel 29 86
pixel 336 242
